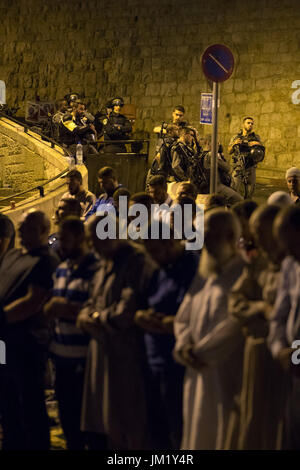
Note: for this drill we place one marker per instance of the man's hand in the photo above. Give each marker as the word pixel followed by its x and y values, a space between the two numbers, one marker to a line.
pixel 189 358
pixel 168 324
pixel 55 307
pixel 88 323
pixel 157 157
pixel 284 358
pixel 254 142
pixel 236 141
pixel 152 321
pixel 60 307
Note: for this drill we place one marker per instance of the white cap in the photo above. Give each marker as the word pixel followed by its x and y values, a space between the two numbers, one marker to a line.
pixel 294 171
pixel 280 198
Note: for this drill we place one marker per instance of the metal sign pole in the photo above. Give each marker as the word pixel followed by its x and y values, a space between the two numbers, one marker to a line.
pixel 214 141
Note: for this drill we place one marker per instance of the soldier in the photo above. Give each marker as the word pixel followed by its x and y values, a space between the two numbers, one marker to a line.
pixel 71 98
pixel 100 116
pixel 247 150
pixel 162 130
pixel 162 162
pixel 202 178
pixel 75 127
pixel 116 127
pixel 183 153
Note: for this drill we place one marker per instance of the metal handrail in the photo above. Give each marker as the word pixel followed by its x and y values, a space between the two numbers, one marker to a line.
pixel 131 141
pixel 27 128
pixel 53 143
pixel 39 187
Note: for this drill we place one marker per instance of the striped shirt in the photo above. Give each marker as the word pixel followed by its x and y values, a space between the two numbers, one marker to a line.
pixel 70 342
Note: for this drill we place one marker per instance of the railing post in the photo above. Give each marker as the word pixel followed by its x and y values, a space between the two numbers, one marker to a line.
pixel 41 190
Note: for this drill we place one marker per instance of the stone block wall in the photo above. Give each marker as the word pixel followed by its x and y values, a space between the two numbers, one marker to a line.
pixel 20 168
pixel 149 52
pixel 26 160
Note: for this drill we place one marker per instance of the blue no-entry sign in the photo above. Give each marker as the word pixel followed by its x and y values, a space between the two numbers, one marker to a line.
pixel 217 63
pixel 206 108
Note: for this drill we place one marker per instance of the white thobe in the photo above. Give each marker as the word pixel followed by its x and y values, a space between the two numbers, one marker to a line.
pixel 209 392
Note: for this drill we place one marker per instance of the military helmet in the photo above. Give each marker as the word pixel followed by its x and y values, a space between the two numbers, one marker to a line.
pixel 257 152
pixel 118 101
pixel 71 97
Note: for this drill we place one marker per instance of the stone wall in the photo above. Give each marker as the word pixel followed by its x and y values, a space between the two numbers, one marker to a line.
pixel 25 159
pixel 20 168
pixel 40 162
pixel 149 51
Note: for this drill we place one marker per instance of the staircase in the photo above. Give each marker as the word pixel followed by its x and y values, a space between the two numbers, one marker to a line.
pixel 6 192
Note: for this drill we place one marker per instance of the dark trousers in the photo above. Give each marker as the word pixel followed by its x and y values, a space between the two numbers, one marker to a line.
pixel 24 417
pixel 165 397
pixel 69 390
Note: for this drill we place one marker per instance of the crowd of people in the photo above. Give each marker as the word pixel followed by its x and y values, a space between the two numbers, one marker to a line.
pixel 153 342
pixel 152 345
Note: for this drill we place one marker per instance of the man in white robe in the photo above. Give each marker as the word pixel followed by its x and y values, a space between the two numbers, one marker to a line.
pixel 285 319
pixel 208 341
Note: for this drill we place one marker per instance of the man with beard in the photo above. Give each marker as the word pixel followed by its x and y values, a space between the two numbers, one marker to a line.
pixel 246 150
pixel 66 207
pixel 69 345
pixel 108 185
pixel 114 402
pixel 251 302
pixel 208 341
pixel 177 269
pixel 293 183
pixel 177 121
pixel 76 190
pixel 285 320
pixel 26 280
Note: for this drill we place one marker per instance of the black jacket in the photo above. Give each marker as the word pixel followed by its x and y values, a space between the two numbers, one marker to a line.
pixel 112 124
pixel 71 131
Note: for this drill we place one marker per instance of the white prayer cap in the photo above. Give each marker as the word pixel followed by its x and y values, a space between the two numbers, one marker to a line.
pixel 294 171
pixel 280 198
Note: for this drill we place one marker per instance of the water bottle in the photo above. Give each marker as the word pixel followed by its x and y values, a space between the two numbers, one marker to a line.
pixel 79 154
